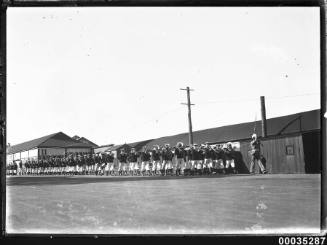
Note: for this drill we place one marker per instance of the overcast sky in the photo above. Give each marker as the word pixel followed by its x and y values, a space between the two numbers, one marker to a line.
pixel 113 75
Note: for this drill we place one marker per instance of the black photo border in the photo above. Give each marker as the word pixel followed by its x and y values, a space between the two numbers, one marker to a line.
pixel 262 239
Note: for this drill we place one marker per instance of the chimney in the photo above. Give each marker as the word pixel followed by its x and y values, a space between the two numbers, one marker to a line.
pixel 263 117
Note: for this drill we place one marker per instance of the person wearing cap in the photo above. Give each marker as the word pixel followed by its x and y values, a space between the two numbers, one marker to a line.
pixel 214 159
pixel 78 160
pixel 179 155
pixel 122 162
pixel 229 159
pixel 220 155
pixel 80 164
pixel 88 163
pixel 156 161
pixel 74 159
pixel 191 155
pixel 69 166
pixel 145 158
pixel 256 155
pixel 163 165
pixel 132 159
pixel 103 163
pixel 110 162
pixel 188 160
pixel 207 162
pixel 106 167
pixel 160 166
pixel 197 156
pixel 95 164
pixel 167 157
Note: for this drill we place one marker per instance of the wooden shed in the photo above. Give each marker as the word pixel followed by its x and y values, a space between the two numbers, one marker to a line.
pixel 292 145
pixel 284 154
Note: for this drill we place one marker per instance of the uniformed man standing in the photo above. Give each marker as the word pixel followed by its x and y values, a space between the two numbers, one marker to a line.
pixel 156 161
pixel 179 154
pixel 167 156
pixel 199 157
pixel 145 159
pixel 207 163
pixel 110 161
pixel 132 159
pixel 191 158
pixel 256 154
pixel 229 158
pixel 122 158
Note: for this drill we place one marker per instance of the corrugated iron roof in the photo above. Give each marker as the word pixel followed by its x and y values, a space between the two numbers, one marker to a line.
pixel 53 140
pixel 102 148
pixel 139 145
pixel 84 140
pixel 310 120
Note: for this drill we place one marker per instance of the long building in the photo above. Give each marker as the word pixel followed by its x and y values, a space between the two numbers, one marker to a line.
pixel 53 144
pixel 292 144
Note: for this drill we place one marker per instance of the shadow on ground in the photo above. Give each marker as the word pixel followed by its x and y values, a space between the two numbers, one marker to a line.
pixel 71 180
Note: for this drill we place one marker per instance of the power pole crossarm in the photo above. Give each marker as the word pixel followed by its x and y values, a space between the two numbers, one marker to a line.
pixel 189 113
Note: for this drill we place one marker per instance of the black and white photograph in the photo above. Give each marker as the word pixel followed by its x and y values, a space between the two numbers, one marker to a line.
pixel 163 120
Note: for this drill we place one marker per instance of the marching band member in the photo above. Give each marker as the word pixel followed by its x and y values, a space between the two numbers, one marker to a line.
pixel 132 159
pixel 229 158
pixel 167 156
pixel 145 158
pixel 207 163
pixel 156 162
pixel 122 160
pixel 179 154
pixel 110 160
pixel 192 159
pixel 199 159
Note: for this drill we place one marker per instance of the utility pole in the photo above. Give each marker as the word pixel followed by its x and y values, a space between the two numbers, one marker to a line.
pixel 263 117
pixel 190 135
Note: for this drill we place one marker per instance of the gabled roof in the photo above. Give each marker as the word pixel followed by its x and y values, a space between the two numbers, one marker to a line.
pixel 53 140
pixel 139 145
pixel 117 147
pixel 28 145
pixel 103 148
pixel 84 140
pixel 310 120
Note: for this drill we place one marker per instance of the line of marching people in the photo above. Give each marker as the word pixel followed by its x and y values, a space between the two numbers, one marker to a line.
pixel 196 159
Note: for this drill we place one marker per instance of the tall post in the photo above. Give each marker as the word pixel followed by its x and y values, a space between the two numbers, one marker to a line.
pixel 190 135
pixel 263 117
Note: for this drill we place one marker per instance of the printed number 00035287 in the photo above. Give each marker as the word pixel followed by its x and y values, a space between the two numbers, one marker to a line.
pixel 312 240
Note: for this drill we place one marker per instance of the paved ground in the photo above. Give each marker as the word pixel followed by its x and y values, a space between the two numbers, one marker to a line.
pixel 224 204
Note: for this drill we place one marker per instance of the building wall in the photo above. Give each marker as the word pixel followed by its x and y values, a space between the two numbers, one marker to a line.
pixel 76 150
pixel 274 150
pixel 17 156
pixel 51 151
pixel 33 154
pixel 101 149
pixel 24 156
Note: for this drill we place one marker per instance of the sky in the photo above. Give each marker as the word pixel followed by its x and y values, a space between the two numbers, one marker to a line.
pixel 113 75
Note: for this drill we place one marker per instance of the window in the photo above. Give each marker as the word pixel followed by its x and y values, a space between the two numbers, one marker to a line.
pixel 289 150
